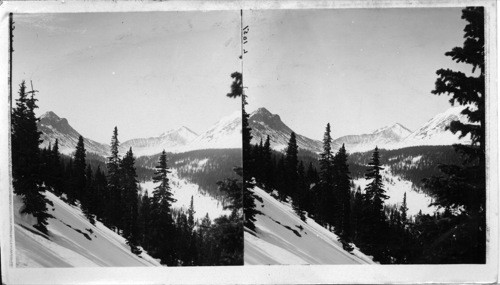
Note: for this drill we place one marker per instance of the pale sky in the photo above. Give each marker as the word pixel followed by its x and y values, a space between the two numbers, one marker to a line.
pixel 359 69
pixel 143 72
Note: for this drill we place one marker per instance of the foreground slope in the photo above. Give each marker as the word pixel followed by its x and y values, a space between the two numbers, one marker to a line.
pixel 72 241
pixel 282 238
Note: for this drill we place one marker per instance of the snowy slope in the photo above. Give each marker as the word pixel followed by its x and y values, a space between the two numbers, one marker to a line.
pixel 226 133
pixel 172 141
pixel 434 131
pixel 385 137
pixel 182 191
pixel 283 238
pixel 53 127
pixel 72 241
pixel 395 188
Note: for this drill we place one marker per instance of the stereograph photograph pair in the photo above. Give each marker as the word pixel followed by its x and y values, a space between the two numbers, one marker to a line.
pixel 227 139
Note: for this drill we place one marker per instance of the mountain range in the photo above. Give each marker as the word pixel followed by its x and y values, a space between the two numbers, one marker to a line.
pixel 226 133
pixel 395 136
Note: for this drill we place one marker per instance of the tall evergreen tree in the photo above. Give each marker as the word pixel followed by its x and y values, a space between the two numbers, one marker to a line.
pixel 249 206
pixel 101 196
pixel 26 158
pixel 268 164
pixel 114 185
pixel 404 211
pixel 374 220
pixel 375 191
pixel 145 220
pixel 130 200
pixel 326 183
pixel 79 165
pixel 343 193
pixel 162 224
pixel 291 164
pixel 191 213
pixel 464 186
pixel 56 169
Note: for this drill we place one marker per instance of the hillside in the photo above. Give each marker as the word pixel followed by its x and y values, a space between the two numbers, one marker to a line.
pixel 72 241
pixel 281 237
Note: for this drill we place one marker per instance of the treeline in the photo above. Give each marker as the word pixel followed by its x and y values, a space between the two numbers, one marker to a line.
pixel 217 164
pixel 112 196
pixel 411 163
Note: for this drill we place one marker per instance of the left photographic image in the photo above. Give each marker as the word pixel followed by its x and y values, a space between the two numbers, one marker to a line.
pixel 125 149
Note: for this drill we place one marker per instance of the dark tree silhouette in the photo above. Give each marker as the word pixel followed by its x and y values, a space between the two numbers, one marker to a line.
pixel 464 186
pixel 27 181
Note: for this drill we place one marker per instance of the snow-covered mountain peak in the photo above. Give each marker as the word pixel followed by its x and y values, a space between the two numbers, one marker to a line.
pixel 396 128
pixel 435 132
pixel 226 133
pixel 182 131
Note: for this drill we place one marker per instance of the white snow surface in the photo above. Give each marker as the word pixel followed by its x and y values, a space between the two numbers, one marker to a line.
pixel 226 133
pixel 182 191
pixel 66 244
pixel 434 132
pixel 281 237
pixel 173 140
pixel 395 187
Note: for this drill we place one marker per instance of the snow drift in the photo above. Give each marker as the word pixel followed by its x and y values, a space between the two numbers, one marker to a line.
pixel 281 237
pixel 72 241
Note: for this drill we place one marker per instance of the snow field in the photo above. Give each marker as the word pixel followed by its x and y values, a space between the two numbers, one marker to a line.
pixel 281 237
pixel 395 187
pixel 72 241
pixel 182 191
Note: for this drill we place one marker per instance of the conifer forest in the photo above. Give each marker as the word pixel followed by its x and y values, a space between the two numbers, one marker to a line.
pixel 249 189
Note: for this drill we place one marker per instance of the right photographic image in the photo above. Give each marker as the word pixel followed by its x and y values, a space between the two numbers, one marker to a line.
pixel 364 136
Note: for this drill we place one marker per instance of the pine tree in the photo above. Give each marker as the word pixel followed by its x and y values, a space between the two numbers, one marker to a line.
pixel 464 186
pixel 375 192
pixel 249 197
pixel 56 169
pixel 343 201
pixel 374 220
pixel 357 216
pixel 26 158
pixel 404 211
pixel 114 185
pixel 145 220
pixel 326 182
pixel 79 165
pixel 268 164
pixel 130 201
pixel 101 196
pixel 162 224
pixel 233 189
pixel 191 213
pixel 291 164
